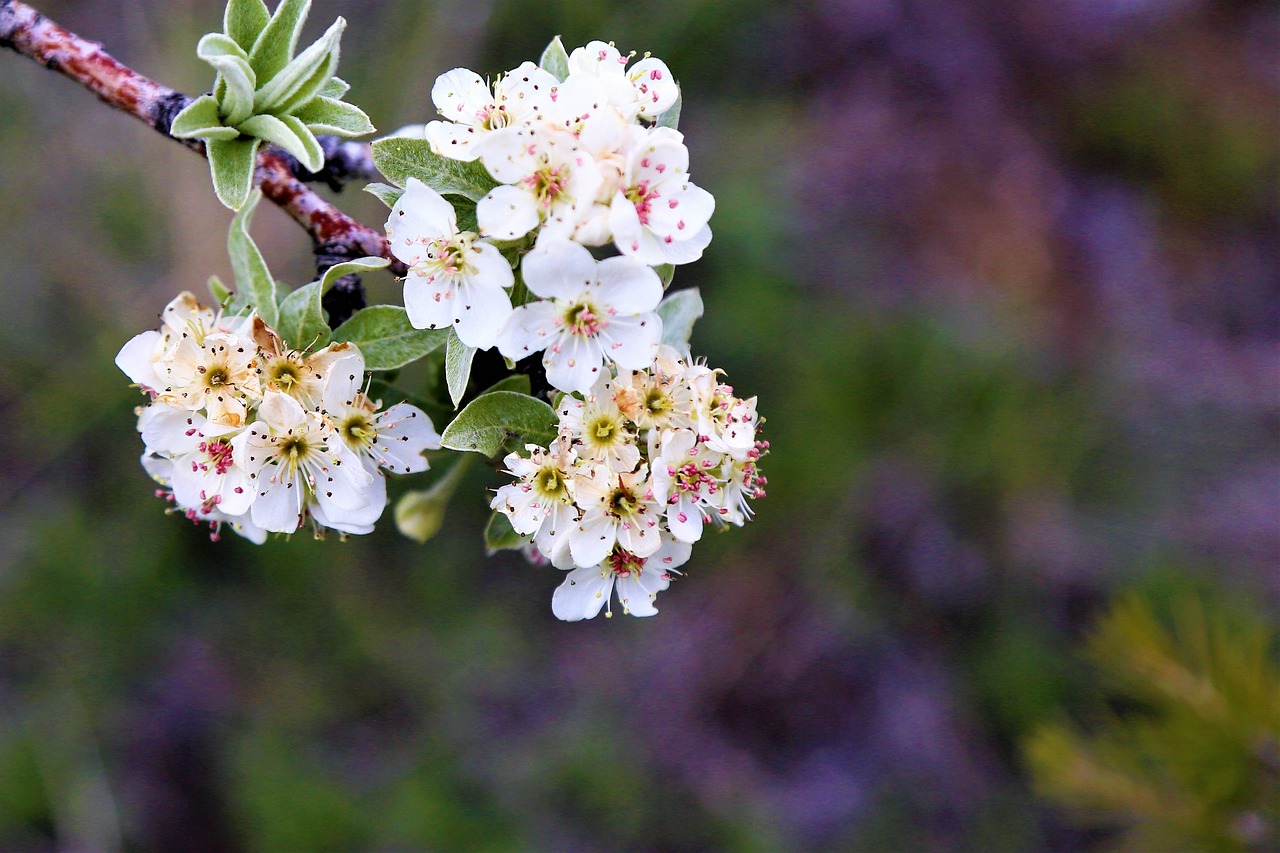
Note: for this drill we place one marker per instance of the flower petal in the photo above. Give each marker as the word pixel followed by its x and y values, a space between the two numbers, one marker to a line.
pixel 582 594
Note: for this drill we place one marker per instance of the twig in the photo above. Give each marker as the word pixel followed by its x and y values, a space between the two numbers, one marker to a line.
pixel 336 236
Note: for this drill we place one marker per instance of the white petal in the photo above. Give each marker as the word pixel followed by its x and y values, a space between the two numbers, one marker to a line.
pixel 681 214
pixel 507 213
pixel 582 594
pixel 558 269
pixel 404 431
pixel 455 141
pixel 358 519
pixel 342 482
pixel 592 540
pixel 655 86
pixel 528 330
pixel 278 505
pixel 137 359
pixel 460 95
pixel 685 520
pixel 636 600
pixel 480 311
pixel 628 286
pixel 632 342
pixel 418 217
pixel 575 367
pixel 428 300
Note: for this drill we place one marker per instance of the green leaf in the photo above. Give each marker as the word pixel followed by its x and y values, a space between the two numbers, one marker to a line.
pixel 517 382
pixel 232 162
pixel 386 337
pixel 400 159
pixel 457 366
pixel 359 265
pixel 236 79
pixel 666 272
pixel 200 118
pixel 499 535
pixel 555 60
pixel 335 88
pixel 244 21
pixel 385 193
pixel 301 323
pixel 671 118
pixel 252 276
pixel 329 115
pixel 220 292
pixel 679 311
pixel 275 45
pixel 491 419
pixel 290 134
pixel 304 77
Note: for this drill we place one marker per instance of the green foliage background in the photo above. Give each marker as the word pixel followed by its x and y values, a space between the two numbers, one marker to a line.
pixel 959 481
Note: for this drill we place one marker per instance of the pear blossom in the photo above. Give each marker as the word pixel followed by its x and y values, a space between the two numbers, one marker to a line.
pixel 685 478
pixel 593 313
pixel 294 460
pixel 599 428
pixel 618 509
pixel 478 113
pixel 659 216
pixel 637 580
pixel 548 181
pixel 204 475
pixel 541 502
pixel 455 278
pixel 161 469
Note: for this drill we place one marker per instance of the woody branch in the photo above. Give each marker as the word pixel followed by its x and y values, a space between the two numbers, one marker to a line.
pixel 335 235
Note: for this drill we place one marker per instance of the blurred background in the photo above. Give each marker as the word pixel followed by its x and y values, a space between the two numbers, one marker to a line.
pixel 1006 279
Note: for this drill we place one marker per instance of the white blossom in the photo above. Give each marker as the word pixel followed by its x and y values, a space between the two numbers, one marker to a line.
pixel 637 580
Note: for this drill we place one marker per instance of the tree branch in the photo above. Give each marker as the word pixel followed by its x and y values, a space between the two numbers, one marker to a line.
pixel 336 236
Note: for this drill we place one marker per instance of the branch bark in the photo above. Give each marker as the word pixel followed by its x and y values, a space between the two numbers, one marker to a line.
pixel 335 235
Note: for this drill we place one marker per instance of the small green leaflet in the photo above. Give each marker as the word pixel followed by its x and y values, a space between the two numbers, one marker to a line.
pixel 385 193
pixel 386 338
pixel 555 60
pixel 679 311
pixel 457 366
pixel 491 419
pixel 400 159
pixel 302 323
pixel 253 279
pixel 499 535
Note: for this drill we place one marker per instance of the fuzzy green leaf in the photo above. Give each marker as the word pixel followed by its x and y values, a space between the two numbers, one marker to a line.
pixel 329 115
pixel 236 79
pixel 517 382
pixel 499 535
pixel 200 119
pixel 252 276
pixel 335 88
pixel 232 162
pixel 666 272
pixel 275 45
pixel 386 337
pixel 304 77
pixel 220 292
pixel 385 193
pixel 301 322
pixel 290 134
pixel 244 21
pixel 671 118
pixel 457 366
pixel 679 311
pixel 400 158
pixel 555 60
pixel 491 419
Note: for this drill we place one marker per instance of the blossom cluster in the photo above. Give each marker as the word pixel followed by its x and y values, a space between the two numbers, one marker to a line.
pixel 579 162
pixel 641 465
pixel 243 431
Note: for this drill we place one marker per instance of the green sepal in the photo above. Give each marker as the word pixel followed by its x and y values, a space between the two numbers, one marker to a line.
pixel 329 115
pixel 555 60
pixel 275 45
pixel 457 366
pixel 400 159
pixel 666 272
pixel 200 119
pixel 335 88
pixel 244 21
pixel 490 420
pixel 290 134
pixel 386 338
pixel 385 193
pixel 304 76
pixel 220 292
pixel 231 162
pixel 236 79
pixel 679 311
pixel 252 276
pixel 671 118
pixel 499 535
